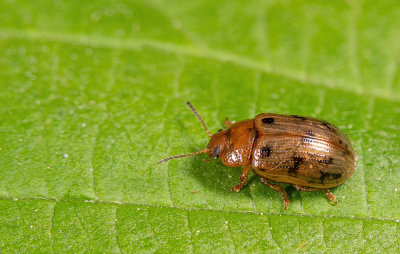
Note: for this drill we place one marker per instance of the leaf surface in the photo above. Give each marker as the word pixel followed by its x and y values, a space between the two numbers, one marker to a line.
pixel 93 95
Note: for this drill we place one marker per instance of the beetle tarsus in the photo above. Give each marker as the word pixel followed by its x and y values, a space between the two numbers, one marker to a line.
pixel 238 187
pixel 279 189
pixel 330 196
pixel 243 178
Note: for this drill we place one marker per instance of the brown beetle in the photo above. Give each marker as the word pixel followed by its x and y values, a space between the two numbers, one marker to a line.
pixel 308 153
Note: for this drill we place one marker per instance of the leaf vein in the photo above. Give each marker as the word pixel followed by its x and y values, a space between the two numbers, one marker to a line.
pixel 352 31
pixel 116 229
pixel 371 106
pixel 190 230
pixel 198 209
pixel 154 240
pixel 323 234
pixel 51 227
pixel 272 234
pixel 230 234
pixel 101 41
pixel 81 224
pixel 262 30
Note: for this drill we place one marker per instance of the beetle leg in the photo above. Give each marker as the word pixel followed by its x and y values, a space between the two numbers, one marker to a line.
pixel 227 122
pixel 277 188
pixel 243 178
pixel 304 188
pixel 330 196
pixel 327 192
pixel 207 160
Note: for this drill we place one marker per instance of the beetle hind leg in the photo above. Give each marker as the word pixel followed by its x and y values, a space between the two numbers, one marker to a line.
pixel 327 192
pixel 330 196
pixel 279 189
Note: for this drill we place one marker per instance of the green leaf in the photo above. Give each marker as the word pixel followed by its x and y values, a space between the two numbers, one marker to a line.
pixel 92 95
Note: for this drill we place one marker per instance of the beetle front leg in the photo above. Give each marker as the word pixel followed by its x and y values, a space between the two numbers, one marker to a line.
pixel 277 188
pixel 243 178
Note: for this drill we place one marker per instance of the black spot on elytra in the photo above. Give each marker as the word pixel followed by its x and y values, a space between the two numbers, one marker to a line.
pixel 265 152
pixel 328 161
pixel 268 120
pixel 219 130
pixel 336 176
pixel 215 153
pixel 299 117
pixel 325 175
pixel 327 125
pixel 296 164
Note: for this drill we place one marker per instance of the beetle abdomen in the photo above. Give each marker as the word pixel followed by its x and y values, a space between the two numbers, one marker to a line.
pixel 302 150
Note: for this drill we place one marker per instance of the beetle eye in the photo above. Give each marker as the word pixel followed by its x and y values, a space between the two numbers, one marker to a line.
pixel 219 130
pixel 216 152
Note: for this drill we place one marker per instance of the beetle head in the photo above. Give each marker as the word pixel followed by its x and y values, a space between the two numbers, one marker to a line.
pixel 217 144
pixel 233 145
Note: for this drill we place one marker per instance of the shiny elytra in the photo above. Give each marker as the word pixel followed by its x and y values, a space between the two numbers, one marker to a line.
pixel 308 153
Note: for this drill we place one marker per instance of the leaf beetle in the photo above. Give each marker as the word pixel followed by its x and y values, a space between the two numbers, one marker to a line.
pixel 308 153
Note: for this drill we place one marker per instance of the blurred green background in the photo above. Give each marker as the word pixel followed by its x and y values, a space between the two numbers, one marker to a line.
pixel 92 95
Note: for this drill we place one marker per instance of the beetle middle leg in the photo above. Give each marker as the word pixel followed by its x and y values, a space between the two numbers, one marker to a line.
pixel 277 188
pixel 243 178
pixel 327 192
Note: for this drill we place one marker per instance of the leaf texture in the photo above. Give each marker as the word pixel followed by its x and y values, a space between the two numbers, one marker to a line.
pixel 92 95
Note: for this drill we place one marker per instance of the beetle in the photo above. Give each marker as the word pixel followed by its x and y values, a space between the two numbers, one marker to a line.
pixel 308 153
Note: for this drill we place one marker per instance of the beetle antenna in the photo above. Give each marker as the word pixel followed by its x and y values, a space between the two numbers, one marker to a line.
pixel 199 117
pixel 205 150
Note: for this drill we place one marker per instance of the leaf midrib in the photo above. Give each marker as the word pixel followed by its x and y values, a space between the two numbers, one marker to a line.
pixel 118 203
pixel 134 44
